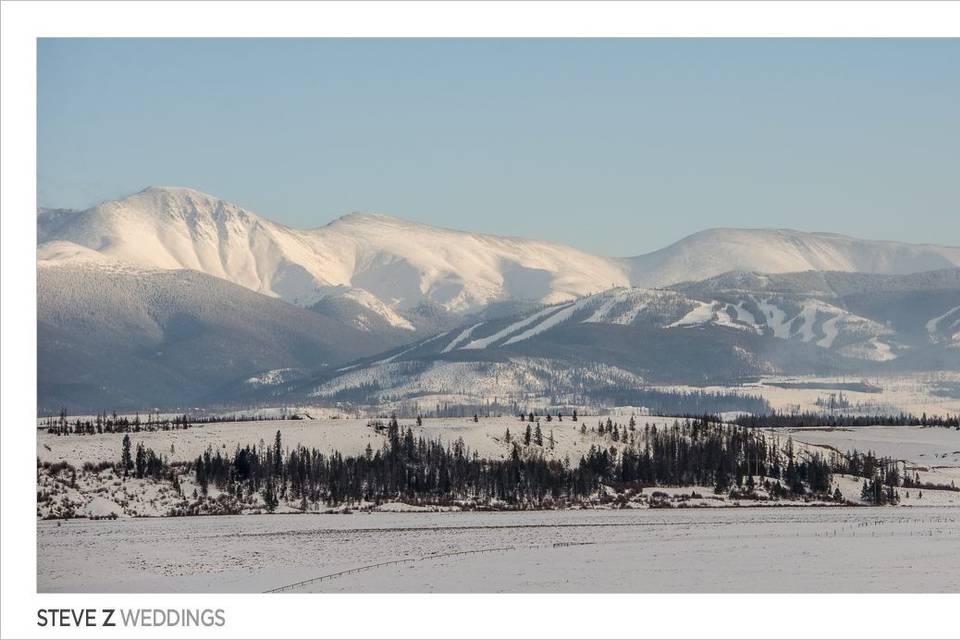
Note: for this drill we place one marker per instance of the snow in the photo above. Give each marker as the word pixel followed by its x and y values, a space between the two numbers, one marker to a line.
pixel 389 265
pixel 461 337
pixel 515 379
pixel 405 351
pixel 700 314
pixel 833 549
pixel 907 393
pixel 714 251
pixel 872 349
pixel 938 446
pixel 379 308
pixel 933 325
pixel 775 318
pixel 746 317
pixel 830 332
pixel 271 378
pixel 717 313
pixel 483 343
pixel 552 321
pixel 809 317
pixel 394 262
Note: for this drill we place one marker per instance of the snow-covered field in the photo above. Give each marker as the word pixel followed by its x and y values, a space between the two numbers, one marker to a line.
pixel 933 453
pixel 914 393
pixel 923 446
pixel 677 550
pixel 347 435
pixel 395 548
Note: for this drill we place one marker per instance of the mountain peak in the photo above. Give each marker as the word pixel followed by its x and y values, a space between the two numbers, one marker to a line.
pixel 373 217
pixel 173 191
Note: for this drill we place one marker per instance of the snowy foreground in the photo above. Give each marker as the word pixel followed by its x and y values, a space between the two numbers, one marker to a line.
pixel 780 549
pixel 781 546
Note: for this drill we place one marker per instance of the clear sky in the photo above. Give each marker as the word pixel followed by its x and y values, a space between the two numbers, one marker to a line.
pixel 615 146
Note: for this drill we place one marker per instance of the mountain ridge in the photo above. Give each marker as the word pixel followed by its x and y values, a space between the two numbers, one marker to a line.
pixel 403 263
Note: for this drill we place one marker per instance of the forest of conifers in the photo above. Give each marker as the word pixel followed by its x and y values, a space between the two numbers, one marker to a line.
pixel 690 452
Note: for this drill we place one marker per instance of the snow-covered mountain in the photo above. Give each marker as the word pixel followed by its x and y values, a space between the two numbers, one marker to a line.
pixel 172 296
pixel 722 329
pixel 386 265
pixel 715 251
pixel 385 271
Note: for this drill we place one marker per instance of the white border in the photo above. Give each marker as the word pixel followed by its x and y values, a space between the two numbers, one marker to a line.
pixel 558 616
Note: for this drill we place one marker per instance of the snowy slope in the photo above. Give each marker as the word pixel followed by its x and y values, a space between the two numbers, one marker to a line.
pixel 397 262
pixel 789 318
pixel 729 327
pixel 115 336
pixel 715 251
pixel 390 267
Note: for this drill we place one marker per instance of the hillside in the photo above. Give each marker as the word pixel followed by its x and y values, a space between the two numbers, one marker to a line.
pixel 112 336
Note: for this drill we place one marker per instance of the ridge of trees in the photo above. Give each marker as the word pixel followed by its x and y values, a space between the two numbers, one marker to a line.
pixel 813 419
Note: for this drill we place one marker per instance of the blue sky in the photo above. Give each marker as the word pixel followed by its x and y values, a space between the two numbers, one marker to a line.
pixel 615 146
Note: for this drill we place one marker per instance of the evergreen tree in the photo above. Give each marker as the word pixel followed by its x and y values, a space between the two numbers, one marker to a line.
pixel 277 454
pixel 141 461
pixel 126 460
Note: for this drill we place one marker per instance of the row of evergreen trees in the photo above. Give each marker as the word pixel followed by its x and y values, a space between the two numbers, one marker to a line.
pixel 415 469
pixel 104 423
pixel 419 470
pixel 811 419
pixel 113 423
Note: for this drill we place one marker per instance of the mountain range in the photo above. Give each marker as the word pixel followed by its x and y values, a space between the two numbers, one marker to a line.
pixel 172 297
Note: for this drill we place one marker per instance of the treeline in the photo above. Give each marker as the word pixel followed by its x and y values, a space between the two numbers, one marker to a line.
pixel 244 418
pixel 113 423
pixel 673 403
pixel 104 423
pixel 418 470
pixel 811 419
pixel 693 452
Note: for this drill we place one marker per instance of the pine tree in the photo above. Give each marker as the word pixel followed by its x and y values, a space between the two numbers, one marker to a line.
pixel 126 460
pixel 574 416
pixel 526 435
pixel 141 460
pixel 277 454
pixel 538 436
